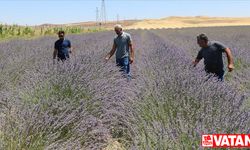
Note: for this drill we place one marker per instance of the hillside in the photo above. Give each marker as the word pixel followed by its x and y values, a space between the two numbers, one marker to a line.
pixel 168 22
pixel 174 22
pixel 180 22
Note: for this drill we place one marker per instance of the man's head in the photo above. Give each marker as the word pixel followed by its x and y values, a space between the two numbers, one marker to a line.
pixel 61 34
pixel 202 40
pixel 118 29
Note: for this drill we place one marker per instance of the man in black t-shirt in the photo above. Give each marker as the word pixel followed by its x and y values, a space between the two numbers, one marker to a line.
pixel 212 51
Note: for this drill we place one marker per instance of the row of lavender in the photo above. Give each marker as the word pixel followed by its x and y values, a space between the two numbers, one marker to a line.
pixel 62 105
pixel 86 103
pixel 236 38
pixel 179 103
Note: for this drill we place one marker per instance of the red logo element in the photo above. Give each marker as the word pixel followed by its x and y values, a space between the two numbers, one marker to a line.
pixel 226 140
pixel 207 141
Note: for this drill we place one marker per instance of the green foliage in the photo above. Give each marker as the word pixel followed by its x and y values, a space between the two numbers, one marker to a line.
pixel 15 31
pixel 32 139
pixel 57 92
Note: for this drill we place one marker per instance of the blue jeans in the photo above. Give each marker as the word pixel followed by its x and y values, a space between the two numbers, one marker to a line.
pixel 123 63
pixel 221 75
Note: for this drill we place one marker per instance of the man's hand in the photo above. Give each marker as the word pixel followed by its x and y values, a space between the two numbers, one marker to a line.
pixel 107 57
pixel 230 67
pixel 111 53
pixel 131 60
pixel 195 62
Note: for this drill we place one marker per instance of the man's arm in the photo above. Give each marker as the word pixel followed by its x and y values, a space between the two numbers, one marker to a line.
pixel 198 58
pixel 196 61
pixel 111 53
pixel 131 48
pixel 70 48
pixel 55 53
pixel 229 59
pixel 132 53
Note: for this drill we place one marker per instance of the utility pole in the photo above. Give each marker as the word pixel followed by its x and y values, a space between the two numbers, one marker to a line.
pixel 118 18
pixel 97 16
pixel 103 13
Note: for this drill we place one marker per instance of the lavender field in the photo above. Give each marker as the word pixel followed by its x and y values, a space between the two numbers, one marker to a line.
pixel 87 104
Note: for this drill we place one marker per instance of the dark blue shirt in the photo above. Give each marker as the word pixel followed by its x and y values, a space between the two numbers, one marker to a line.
pixel 212 55
pixel 63 48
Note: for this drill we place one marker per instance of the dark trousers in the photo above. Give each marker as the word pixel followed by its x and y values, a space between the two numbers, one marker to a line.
pixel 219 74
pixel 63 57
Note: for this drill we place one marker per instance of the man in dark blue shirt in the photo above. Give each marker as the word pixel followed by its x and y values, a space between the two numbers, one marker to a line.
pixel 62 47
pixel 212 51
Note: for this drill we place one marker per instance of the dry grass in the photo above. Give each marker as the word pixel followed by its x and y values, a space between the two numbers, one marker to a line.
pixel 180 22
pixel 169 22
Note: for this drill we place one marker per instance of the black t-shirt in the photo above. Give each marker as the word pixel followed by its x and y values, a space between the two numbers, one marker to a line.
pixel 213 56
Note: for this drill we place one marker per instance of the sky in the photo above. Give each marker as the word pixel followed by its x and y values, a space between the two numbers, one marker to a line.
pixel 36 12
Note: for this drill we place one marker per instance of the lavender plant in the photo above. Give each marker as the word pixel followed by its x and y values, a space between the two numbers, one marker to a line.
pixel 86 103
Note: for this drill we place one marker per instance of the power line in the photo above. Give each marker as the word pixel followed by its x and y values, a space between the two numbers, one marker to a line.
pixel 103 12
pixel 97 16
pixel 118 18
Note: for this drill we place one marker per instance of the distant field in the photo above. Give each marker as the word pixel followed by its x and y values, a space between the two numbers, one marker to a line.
pixel 87 104
pixel 15 31
pixel 175 22
pixel 181 22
